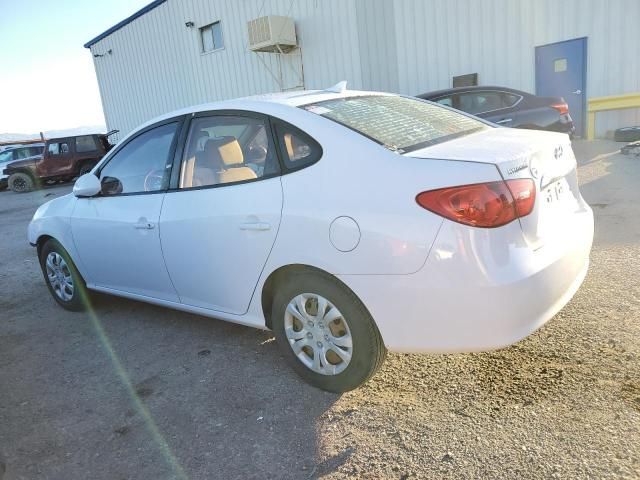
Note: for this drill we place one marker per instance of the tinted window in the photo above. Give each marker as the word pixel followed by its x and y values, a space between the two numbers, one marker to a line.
pixel 86 143
pixel 227 149
pixel 298 149
pixel 401 124
pixel 445 101
pixel 6 156
pixel 21 153
pixel 142 165
pixel 480 102
pixel 510 99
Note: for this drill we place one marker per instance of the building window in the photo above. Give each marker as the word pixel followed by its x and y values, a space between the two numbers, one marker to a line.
pixel 211 37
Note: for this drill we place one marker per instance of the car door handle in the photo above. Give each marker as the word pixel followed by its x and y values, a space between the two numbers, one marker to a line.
pixel 142 225
pixel 505 120
pixel 577 92
pixel 258 226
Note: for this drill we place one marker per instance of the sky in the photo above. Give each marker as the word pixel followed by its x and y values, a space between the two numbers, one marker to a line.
pixel 47 79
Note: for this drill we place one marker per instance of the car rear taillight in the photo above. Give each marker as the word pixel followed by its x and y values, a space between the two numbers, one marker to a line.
pixel 563 108
pixel 487 205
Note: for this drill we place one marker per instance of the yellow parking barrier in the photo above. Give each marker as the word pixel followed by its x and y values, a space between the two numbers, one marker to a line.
pixel 602 104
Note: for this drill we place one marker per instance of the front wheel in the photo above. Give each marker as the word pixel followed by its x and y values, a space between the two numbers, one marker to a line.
pixel 20 182
pixel 66 285
pixel 325 332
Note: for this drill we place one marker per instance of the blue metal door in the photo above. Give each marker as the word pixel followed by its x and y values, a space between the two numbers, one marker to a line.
pixel 561 70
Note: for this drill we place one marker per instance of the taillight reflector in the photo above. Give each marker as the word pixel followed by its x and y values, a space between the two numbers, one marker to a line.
pixel 486 205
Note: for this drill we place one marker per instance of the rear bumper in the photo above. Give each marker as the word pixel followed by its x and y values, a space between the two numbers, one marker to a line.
pixel 480 289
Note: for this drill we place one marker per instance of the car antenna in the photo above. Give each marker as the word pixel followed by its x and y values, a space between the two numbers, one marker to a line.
pixel 339 87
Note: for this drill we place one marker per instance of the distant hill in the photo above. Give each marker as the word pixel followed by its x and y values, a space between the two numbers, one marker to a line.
pixel 12 137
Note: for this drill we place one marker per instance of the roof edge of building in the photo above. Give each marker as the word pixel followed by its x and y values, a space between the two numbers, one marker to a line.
pixel 124 22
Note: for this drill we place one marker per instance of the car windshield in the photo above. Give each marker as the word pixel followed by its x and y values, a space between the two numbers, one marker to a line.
pixel 401 124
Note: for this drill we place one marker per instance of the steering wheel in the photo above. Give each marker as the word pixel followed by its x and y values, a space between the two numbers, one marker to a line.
pixel 153 181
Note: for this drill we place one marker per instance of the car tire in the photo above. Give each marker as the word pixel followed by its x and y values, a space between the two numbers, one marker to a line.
pixel 627 134
pixel 358 351
pixel 66 285
pixel 20 182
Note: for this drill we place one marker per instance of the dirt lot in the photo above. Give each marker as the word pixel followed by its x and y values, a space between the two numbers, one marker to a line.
pixel 135 391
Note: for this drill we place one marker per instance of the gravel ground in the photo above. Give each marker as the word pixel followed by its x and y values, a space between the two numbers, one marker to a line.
pixel 134 391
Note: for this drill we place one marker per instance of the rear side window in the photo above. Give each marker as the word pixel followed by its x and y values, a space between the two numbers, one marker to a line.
pixel 298 149
pixel 86 143
pixel 401 124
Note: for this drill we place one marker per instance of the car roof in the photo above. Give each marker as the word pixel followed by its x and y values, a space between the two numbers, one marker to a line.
pixel 475 88
pixel 266 103
pixel 28 145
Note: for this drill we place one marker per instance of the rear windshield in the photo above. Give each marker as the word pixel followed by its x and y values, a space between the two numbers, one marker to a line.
pixel 401 124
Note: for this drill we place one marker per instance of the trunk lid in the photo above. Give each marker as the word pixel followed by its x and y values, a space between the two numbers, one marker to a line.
pixel 545 157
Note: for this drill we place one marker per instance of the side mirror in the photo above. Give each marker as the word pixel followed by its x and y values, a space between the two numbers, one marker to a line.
pixel 87 185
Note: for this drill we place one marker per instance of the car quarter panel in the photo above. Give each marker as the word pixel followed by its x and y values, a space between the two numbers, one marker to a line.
pixel 480 289
pixel 376 188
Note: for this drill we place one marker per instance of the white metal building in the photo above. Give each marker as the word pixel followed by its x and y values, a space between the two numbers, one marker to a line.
pixel 175 53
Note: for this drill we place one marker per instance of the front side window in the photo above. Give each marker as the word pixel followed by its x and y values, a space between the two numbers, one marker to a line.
pixel 86 143
pixel 59 148
pixel 211 37
pixel 142 165
pixel 227 149
pixel 401 124
pixel 6 156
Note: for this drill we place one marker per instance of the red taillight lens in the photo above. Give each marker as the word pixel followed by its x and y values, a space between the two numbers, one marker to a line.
pixel 485 205
pixel 524 195
pixel 563 108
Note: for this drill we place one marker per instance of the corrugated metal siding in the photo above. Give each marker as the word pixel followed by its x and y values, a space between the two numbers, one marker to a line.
pixel 438 39
pixel 409 46
pixel 157 66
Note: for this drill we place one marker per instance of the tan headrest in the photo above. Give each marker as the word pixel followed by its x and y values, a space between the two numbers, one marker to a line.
pixel 231 153
pixel 210 157
pixel 288 142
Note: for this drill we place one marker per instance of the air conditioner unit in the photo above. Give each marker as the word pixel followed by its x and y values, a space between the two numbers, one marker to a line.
pixel 272 34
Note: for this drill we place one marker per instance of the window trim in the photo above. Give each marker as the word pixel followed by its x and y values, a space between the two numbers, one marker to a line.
pixel 180 120
pixel 282 153
pixel 174 185
pixel 201 39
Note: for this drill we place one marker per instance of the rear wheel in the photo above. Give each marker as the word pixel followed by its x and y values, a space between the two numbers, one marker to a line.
pixel 66 285
pixel 325 332
pixel 20 182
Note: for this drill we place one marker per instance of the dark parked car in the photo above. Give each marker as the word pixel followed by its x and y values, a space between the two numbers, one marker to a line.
pixel 508 107
pixel 17 152
pixel 63 159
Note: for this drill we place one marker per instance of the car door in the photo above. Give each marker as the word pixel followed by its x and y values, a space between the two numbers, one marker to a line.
pixel 220 222
pixel 116 233
pixel 59 159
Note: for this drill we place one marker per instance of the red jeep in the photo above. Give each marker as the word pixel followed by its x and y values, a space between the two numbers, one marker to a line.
pixel 63 159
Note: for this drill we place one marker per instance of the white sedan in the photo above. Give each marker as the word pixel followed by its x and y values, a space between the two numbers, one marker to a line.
pixel 347 222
